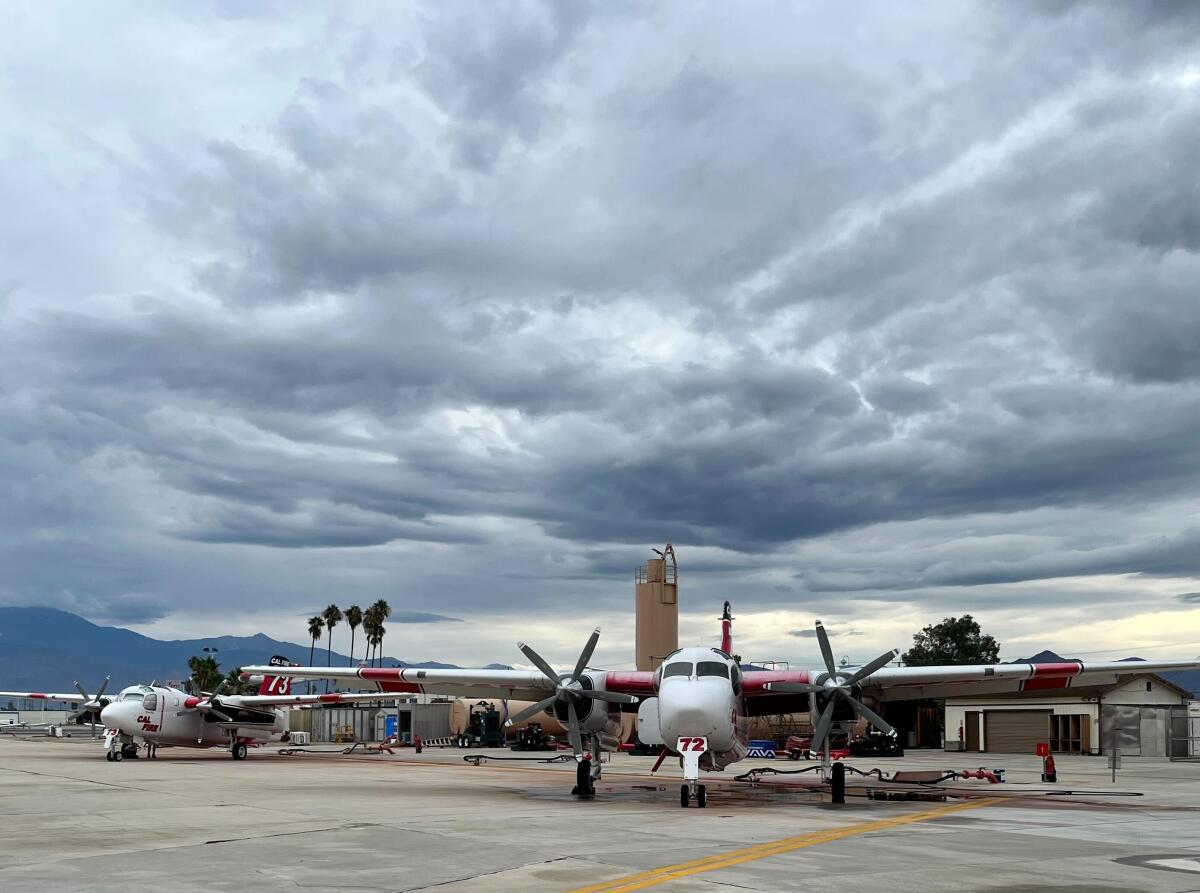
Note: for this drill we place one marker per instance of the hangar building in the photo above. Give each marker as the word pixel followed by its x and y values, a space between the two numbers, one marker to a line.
pixel 1142 714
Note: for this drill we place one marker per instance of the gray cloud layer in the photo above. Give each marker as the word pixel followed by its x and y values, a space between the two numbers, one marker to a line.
pixel 468 307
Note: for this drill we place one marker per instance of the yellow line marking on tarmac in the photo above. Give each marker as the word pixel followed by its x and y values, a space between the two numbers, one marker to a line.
pixel 773 848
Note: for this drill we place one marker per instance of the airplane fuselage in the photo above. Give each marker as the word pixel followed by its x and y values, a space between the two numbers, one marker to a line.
pixel 167 716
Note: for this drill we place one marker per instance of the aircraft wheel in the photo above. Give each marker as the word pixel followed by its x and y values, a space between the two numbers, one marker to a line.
pixel 685 796
pixel 583 780
pixel 239 751
pixel 108 755
pixel 701 796
pixel 118 756
pixel 129 750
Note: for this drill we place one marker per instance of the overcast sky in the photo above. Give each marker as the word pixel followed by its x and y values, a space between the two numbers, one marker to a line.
pixel 880 313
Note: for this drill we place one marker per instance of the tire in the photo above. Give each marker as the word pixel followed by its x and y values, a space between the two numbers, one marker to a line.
pixel 583 780
pixel 118 756
pixel 239 751
pixel 701 796
pixel 108 755
pixel 684 796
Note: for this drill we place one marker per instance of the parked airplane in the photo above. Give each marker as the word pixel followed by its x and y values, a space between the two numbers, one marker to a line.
pixel 151 716
pixel 698 701
pixel 89 705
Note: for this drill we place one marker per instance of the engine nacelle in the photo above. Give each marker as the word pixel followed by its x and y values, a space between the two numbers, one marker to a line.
pixel 598 718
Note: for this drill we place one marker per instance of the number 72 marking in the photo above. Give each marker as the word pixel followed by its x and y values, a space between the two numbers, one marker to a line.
pixel 693 744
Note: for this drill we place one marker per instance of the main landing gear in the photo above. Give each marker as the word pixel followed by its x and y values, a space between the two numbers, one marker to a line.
pixel 237 750
pixel 587 771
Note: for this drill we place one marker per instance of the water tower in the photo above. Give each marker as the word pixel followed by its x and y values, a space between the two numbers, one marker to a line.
pixel 656 601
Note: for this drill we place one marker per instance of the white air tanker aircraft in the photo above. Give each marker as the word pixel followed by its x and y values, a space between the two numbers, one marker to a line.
pixel 698 701
pixel 158 715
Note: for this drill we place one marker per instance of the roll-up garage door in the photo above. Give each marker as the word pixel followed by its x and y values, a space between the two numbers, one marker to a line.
pixel 1015 731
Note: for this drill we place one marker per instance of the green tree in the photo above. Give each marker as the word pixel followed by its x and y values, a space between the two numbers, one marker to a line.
pixel 332 616
pixel 371 630
pixel 956 640
pixel 206 674
pixel 382 612
pixel 235 686
pixel 354 619
pixel 315 625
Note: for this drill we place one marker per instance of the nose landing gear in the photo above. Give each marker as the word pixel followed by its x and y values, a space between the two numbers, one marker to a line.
pixel 693 791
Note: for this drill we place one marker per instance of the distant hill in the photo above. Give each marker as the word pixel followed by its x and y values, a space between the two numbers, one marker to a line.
pixel 1188 680
pixel 43 649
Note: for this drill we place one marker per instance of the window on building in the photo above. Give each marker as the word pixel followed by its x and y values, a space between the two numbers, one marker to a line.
pixel 1066 733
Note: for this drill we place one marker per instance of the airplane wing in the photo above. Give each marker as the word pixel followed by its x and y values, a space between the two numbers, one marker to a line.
pixel 903 683
pixel 908 683
pixel 43 696
pixel 303 700
pixel 521 685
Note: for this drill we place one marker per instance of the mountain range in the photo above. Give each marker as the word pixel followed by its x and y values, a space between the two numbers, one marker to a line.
pixel 43 649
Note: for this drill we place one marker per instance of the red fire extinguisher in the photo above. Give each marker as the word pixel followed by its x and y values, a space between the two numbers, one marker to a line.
pixel 1048 772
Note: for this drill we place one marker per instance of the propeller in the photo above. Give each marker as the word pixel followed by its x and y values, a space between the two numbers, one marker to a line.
pixel 837 685
pixel 568 690
pixel 89 701
pixel 208 703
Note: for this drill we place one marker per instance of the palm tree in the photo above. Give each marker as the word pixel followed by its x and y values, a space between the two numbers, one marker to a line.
pixel 315 625
pixel 206 674
pixel 382 612
pixel 354 617
pixel 371 629
pixel 333 616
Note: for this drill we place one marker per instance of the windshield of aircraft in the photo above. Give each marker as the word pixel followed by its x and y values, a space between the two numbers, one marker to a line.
pixel 712 668
pixel 132 696
pixel 679 668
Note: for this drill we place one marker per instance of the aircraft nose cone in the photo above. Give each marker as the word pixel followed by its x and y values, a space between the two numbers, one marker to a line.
pixel 117 716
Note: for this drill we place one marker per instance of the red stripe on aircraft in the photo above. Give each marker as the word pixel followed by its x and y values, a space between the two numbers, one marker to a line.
pixel 389 679
pixel 1046 677
pixel 630 682
pixel 329 699
pixel 36 697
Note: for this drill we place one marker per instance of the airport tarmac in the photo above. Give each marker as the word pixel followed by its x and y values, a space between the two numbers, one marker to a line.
pixel 200 821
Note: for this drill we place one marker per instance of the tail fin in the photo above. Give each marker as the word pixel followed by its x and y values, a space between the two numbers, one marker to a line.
pixel 727 629
pixel 277 685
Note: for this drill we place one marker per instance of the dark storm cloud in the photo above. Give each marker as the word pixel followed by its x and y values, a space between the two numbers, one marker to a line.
pixel 484 303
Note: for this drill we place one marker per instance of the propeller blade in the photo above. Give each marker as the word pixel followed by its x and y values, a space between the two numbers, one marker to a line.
pixel 797 687
pixel 86 696
pixel 613 697
pixel 573 731
pixel 93 726
pixel 103 688
pixel 531 710
pixel 821 732
pixel 878 663
pixel 871 716
pixel 536 660
pixel 826 651
pixel 586 655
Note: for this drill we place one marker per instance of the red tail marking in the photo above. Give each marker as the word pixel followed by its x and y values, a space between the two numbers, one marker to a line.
pixel 727 629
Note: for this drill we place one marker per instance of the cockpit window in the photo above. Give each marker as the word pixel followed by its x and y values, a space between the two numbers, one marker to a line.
pixel 679 668
pixel 132 696
pixel 712 668
pixel 150 702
